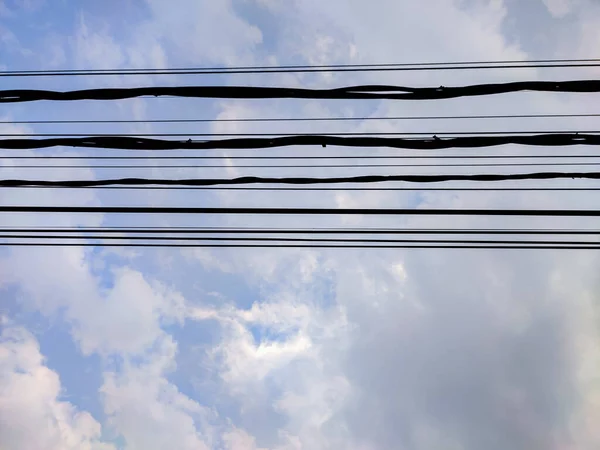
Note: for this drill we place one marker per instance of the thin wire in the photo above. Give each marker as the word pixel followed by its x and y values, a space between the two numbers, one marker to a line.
pixel 286 231
pixel 310 189
pixel 515 64
pixel 374 133
pixel 289 166
pixel 310 240
pixel 304 119
pixel 299 211
pixel 304 246
pixel 294 157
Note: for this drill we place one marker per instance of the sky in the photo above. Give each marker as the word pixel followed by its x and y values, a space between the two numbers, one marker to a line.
pixel 105 349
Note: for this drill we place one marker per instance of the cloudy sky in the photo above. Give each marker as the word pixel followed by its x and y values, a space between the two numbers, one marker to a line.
pixel 150 349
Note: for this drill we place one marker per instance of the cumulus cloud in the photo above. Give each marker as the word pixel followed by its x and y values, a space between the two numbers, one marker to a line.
pixel 147 410
pixel 32 414
pixel 124 319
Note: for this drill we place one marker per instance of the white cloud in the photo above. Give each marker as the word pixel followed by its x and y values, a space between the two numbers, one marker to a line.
pixel 125 318
pixel 31 412
pixel 560 8
pixel 149 411
pixel 204 31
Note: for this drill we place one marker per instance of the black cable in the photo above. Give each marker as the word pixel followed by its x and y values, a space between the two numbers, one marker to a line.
pixel 310 240
pixel 471 65
pixel 305 246
pixel 304 181
pixel 295 157
pixel 303 119
pixel 283 134
pixel 299 189
pixel 286 231
pixel 345 93
pixel 434 143
pixel 296 166
pixel 299 211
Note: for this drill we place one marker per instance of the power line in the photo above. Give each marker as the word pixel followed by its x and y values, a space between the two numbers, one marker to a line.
pixel 302 119
pixel 307 231
pixel 434 143
pixel 308 240
pixel 373 92
pixel 471 65
pixel 296 157
pixel 305 246
pixel 282 134
pixel 299 166
pixel 299 211
pixel 308 189
pixel 334 133
pixel 409 178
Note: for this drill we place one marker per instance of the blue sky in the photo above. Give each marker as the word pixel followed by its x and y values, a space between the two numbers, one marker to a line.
pixel 106 349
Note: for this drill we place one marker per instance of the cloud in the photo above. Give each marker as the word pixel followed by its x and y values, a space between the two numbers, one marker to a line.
pixel 31 412
pixel 308 349
pixel 124 319
pixel 147 410
pixel 560 8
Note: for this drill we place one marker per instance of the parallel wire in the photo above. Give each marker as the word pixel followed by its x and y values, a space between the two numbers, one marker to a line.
pixel 299 211
pixel 305 246
pixel 296 157
pixel 463 65
pixel 287 231
pixel 300 189
pixel 282 134
pixel 307 240
pixel 434 143
pixel 299 166
pixel 303 119
pixel 361 92
pixel 245 180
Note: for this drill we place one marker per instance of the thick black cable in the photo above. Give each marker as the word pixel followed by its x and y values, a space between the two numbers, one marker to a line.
pixel 304 181
pixel 299 211
pixel 434 143
pixel 364 92
pixel 302 119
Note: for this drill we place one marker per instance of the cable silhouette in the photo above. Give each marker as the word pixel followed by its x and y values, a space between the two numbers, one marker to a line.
pixel 308 189
pixel 305 166
pixel 364 92
pixel 461 65
pixel 299 211
pixel 434 143
pixel 312 240
pixel 300 119
pixel 297 157
pixel 303 181
pixel 306 246
pixel 287 231
pixel 282 134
